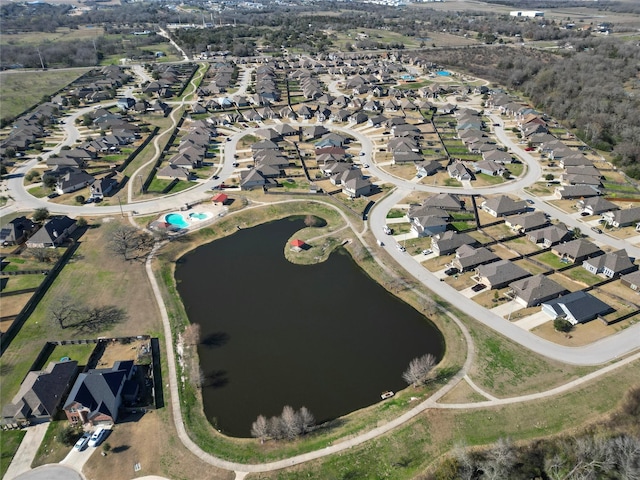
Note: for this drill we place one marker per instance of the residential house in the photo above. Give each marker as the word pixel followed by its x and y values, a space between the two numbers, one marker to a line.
pixel 550 235
pixel 489 167
pixel 596 205
pixel 449 241
pixel 497 156
pixel 96 396
pixel 527 221
pixel 576 191
pixel 532 291
pixel 610 264
pixel 622 218
pixel 576 307
pixel 576 251
pixel 459 171
pixel 468 257
pixel 53 233
pixel 254 178
pixel 357 187
pixel 40 394
pixel 171 172
pixel 499 274
pixel 313 132
pixel 632 280
pixel 445 201
pixel 16 231
pixel 101 187
pixel 502 206
pixel 428 221
pixel 428 168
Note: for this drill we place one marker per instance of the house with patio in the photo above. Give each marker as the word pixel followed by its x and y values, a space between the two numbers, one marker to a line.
pixel 622 218
pixel 499 274
pixel 576 251
pixel 97 394
pixel 468 257
pixel 502 206
pixel 576 307
pixel 16 231
pixel 53 233
pixel 596 205
pixel 611 264
pixel 40 394
pixel 449 241
pixel 532 291
pixel 551 235
pixel 526 221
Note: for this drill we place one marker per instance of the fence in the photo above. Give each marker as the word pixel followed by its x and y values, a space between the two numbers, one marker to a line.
pixel 30 306
pixel 154 170
pixel 133 154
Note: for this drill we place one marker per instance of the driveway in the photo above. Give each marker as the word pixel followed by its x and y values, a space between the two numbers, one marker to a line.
pixel 26 451
pixel 533 321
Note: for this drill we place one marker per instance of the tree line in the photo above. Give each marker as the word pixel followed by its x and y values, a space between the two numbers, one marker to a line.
pixel 289 425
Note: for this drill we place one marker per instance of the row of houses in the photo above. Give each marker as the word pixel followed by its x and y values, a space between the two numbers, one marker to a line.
pixel 51 234
pixel 192 152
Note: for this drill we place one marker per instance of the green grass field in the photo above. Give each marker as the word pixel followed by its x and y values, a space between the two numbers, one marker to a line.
pixel 15 98
pixel 9 443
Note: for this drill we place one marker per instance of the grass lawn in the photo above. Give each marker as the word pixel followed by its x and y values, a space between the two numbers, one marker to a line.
pixel 551 259
pixel 16 98
pixel 51 450
pixel 80 353
pixel 396 213
pixel 516 169
pixel 39 192
pixel 22 282
pixel 9 443
pixel 581 275
pixel 92 265
pixel 483 179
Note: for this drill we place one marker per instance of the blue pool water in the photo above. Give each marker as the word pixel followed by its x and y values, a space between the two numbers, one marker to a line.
pixel 443 73
pixel 176 220
pixel 198 216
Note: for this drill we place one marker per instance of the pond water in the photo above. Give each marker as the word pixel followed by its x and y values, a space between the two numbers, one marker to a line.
pixel 273 333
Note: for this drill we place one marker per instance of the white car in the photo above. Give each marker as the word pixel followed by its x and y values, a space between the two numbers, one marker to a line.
pixel 366 165
pixel 426 252
pixel 401 248
pixel 97 437
pixel 82 442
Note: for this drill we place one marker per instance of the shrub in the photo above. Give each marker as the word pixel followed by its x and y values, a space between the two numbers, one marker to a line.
pixel 562 325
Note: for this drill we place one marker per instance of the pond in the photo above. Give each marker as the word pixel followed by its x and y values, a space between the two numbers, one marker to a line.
pixel 323 336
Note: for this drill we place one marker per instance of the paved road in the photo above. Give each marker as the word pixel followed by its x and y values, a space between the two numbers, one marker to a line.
pixel 51 472
pixel 602 351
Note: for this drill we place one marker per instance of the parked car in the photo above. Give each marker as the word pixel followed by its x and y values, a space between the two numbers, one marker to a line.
pixel 451 271
pixel 366 165
pixel 596 229
pixel 400 247
pixel 362 154
pixel 529 201
pixel 82 442
pixel 529 149
pixel 97 437
pixel 478 286
pixel 584 214
pixel 235 164
pixel 387 230
pixel 427 251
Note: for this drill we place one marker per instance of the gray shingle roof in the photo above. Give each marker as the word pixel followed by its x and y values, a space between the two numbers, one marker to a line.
pixel 502 273
pixel 537 289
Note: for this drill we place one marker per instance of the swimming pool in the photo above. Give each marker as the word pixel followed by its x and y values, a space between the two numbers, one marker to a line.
pixel 443 73
pixel 176 219
pixel 198 216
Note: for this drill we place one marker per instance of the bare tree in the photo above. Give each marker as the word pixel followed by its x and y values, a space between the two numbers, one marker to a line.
pixel 466 465
pixel 275 428
pixel 418 370
pixel 500 461
pixel 260 428
pixel 627 456
pixel 62 309
pixel 130 242
pixel 307 419
pixel 43 254
pixel 291 424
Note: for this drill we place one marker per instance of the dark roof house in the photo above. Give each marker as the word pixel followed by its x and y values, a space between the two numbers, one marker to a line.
pixel 577 307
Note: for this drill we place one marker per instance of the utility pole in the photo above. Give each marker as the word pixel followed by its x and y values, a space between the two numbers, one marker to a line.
pixel 40 56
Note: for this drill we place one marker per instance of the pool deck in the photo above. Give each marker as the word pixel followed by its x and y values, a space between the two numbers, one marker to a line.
pixel 214 211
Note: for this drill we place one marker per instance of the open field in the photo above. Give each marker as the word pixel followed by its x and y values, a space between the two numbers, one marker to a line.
pixel 16 99
pixel 61 34
pixel 80 279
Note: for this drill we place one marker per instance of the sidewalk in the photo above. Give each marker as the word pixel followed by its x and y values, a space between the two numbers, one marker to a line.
pixel 26 451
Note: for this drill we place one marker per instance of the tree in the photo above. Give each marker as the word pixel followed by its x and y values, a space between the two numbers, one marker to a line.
pixel 548 177
pixel 81 222
pixel 80 199
pixel 62 309
pixel 307 419
pixel 260 428
pixel 10 152
pixel 130 242
pixel 40 214
pixel 291 425
pixel 87 121
pixel 562 325
pixel 69 435
pixel 49 181
pixel 275 428
pixel 418 370
pixel 500 461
